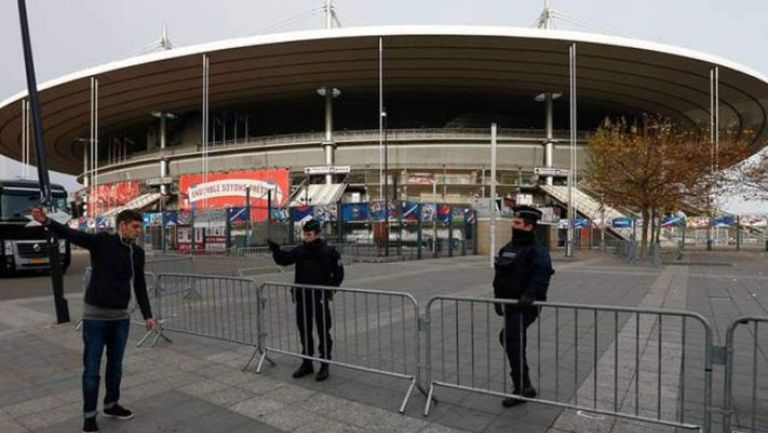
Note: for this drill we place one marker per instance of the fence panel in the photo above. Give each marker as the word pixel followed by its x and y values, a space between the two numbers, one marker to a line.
pixel 160 264
pixel 219 307
pixel 745 402
pixel 643 365
pixel 369 330
pixel 255 261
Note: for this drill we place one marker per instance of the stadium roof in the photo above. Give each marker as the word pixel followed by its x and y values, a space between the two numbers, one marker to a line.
pixel 614 75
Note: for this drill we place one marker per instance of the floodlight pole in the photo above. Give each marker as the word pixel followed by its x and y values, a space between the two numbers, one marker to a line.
pixel 62 308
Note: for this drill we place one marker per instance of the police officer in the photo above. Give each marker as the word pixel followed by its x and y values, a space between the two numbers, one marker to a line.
pixel 523 270
pixel 317 264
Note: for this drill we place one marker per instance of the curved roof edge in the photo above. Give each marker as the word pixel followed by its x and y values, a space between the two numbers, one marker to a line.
pixel 398 30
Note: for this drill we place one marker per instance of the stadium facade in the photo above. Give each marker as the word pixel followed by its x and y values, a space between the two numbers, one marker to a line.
pixel 283 102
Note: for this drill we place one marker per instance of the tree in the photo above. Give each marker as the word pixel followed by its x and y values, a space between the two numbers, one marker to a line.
pixel 652 166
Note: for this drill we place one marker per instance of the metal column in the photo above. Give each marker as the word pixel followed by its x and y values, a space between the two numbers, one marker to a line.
pixel 572 172
pixel 492 229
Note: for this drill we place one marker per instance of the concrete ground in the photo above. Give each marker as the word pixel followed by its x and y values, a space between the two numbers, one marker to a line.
pixel 196 384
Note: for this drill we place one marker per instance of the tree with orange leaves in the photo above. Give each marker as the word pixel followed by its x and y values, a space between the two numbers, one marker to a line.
pixel 652 166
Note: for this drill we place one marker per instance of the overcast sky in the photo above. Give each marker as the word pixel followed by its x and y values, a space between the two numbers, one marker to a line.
pixel 70 35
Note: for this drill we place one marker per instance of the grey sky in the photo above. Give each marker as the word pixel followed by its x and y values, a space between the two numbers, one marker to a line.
pixel 70 35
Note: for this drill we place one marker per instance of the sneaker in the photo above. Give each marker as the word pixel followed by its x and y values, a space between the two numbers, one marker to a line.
pixel 304 370
pixel 90 426
pixel 529 392
pixel 118 412
pixel 323 373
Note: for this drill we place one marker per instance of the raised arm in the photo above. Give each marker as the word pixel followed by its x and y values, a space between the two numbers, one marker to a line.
pixel 81 239
pixel 282 257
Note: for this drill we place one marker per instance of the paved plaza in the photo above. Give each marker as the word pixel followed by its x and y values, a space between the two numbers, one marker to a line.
pixel 196 384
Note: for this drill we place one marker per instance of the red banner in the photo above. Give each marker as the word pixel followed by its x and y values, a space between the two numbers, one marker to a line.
pixel 111 195
pixel 228 189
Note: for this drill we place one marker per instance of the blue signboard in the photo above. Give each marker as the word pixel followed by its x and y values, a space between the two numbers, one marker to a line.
pixel 621 223
pixel 237 215
pixel 354 211
pixel 301 213
pixel 170 218
pixel 411 211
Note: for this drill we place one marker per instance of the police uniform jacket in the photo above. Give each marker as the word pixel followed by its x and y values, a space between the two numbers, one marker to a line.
pixel 522 267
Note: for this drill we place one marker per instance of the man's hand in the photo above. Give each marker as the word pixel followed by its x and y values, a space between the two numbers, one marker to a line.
pixel 273 246
pixel 39 215
pixel 151 324
pixel 525 300
pixel 499 309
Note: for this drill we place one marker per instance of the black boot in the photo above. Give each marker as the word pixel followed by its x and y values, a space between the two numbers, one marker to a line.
pixel 304 370
pixel 528 392
pixel 323 373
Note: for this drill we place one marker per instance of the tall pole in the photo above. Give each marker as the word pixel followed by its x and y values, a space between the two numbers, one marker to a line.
pixel 492 230
pixel 550 145
pixel 328 14
pixel 572 172
pixel 204 138
pixel 434 217
pixel 62 308
pixel 386 186
pixel 381 120
pixel 714 138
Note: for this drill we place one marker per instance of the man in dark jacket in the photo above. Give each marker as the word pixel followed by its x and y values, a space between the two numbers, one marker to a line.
pixel 523 270
pixel 116 262
pixel 317 264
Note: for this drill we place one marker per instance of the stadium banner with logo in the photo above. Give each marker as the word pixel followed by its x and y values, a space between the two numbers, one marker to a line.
pixel 112 195
pixel 443 213
pixel 354 212
pixel 301 214
pixel 411 211
pixel 228 189
pixel 325 213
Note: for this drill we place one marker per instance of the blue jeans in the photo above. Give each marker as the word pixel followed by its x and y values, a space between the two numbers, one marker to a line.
pixel 97 334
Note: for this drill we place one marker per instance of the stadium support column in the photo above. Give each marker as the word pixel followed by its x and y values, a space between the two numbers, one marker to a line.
pixel 549 141
pixel 163 160
pixel 328 93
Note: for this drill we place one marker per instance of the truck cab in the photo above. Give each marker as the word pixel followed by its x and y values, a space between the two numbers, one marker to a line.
pixel 25 248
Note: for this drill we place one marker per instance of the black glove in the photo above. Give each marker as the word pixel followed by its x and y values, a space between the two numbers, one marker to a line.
pixel 525 300
pixel 499 309
pixel 273 246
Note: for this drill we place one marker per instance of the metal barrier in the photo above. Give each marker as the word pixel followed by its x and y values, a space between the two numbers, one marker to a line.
pixel 640 363
pixel 367 330
pixel 169 263
pixel 255 261
pixel 214 306
pixel 750 412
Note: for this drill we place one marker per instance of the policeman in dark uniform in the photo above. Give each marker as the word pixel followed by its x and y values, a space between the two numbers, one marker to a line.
pixel 523 270
pixel 317 264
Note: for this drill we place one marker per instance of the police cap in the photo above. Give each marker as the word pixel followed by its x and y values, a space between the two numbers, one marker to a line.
pixel 527 213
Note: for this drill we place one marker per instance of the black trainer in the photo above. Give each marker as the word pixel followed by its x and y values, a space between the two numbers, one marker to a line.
pixel 529 392
pixel 90 426
pixel 323 373
pixel 304 370
pixel 118 412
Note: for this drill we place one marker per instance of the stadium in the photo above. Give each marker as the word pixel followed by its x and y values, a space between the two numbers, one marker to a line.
pixel 317 116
